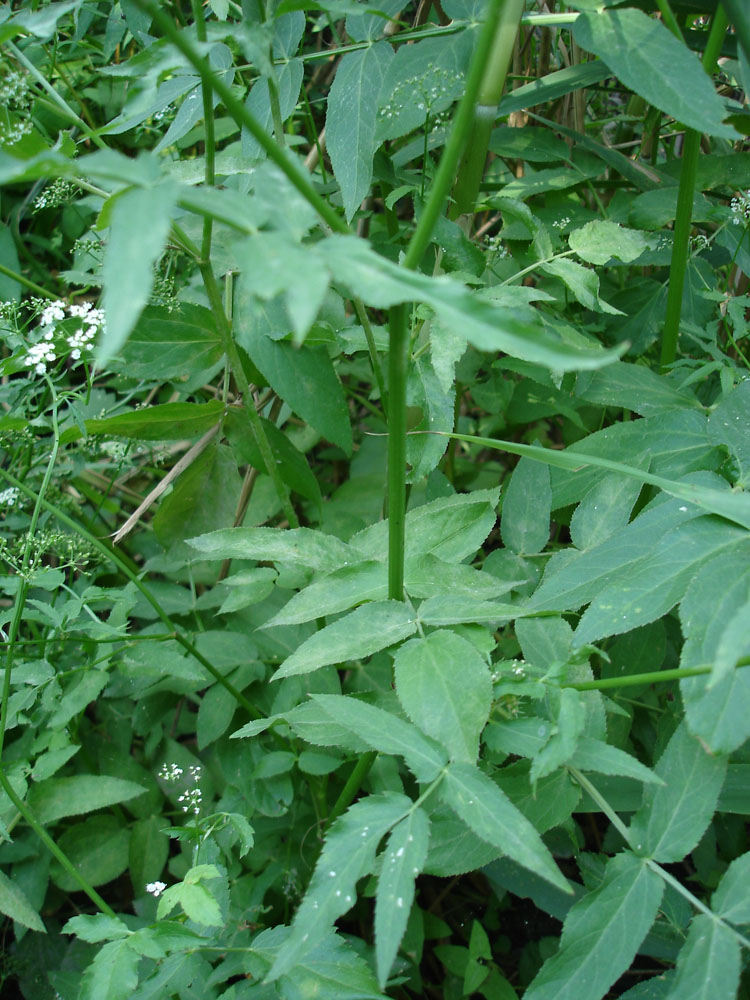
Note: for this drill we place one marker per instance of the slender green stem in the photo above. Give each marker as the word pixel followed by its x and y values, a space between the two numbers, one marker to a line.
pixel 684 217
pixel 32 286
pixel 377 370
pixel 24 573
pixel 237 110
pixel 651 677
pixel 123 567
pixel 352 786
pixel 490 91
pixel 256 425
pixel 670 21
pixel 210 135
pixel 605 807
pixel 278 121
pixel 397 372
pixel 52 847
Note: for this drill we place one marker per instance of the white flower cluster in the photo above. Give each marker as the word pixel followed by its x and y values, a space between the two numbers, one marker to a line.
pixel 9 497
pixel 58 193
pixel 495 245
pixel 561 223
pixel 740 208
pixel 55 340
pixel 156 888
pixel 191 798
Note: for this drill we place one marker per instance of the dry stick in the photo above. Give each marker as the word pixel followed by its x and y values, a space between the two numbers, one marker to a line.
pixel 185 462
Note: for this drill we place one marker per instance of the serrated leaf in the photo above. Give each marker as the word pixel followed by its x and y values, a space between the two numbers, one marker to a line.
pixel 486 810
pixel 96 927
pixel 360 633
pixel 599 240
pixel 648 59
pixel 731 900
pixel 347 855
pixel 602 758
pixel 444 686
pixel 675 815
pixel 167 344
pixel 581 281
pixel 403 859
pixel 604 510
pixel 15 904
pixel 337 591
pixel 601 933
pixel 350 120
pixel 298 546
pixel 728 425
pixel 634 387
pixel 708 966
pixel 56 798
pixel 138 232
pixel 385 733
pixel 113 974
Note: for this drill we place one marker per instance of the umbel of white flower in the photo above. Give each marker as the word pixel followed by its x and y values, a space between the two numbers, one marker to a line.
pixel 55 341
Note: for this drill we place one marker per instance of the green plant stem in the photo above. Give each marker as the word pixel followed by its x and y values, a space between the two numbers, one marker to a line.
pixel 210 135
pixel 490 91
pixel 235 362
pixel 684 217
pixel 52 847
pixel 237 110
pixel 23 589
pixel 397 374
pixel 651 677
pixel 352 786
pixel 670 21
pixel 377 370
pixel 32 286
pixel 123 567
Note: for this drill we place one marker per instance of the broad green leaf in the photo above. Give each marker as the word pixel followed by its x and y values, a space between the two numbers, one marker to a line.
pixel 708 966
pixel 333 969
pixel 536 182
pixel 731 900
pixel 10 289
pixel 602 758
pixel 96 927
pixel 340 590
pixel 604 510
pixel 215 715
pixel 579 580
pixel 568 712
pixel 486 810
pixel 553 86
pixel 347 855
pixel 15 904
pixel 658 581
pixel 97 847
pixel 674 816
pixel 403 859
pixel 304 378
pixel 648 59
pixel 598 241
pixel 350 120
pixel 728 425
pixel 449 610
pixel 360 633
pixel 634 387
pixel 525 520
pixel 56 798
pixel 423 80
pixel 451 528
pixel 545 641
pixel 581 281
pixel 205 497
pixel 299 546
pixel 113 973
pixel 167 344
pixel 545 803
pixel 369 24
pixel 288 77
pixel 444 686
pixel 138 232
pixel 454 848
pixel 386 733
pixel 381 283
pixel 601 934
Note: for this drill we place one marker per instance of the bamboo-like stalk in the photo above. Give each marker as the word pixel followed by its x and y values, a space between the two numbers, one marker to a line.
pixel 474 156
pixel 684 217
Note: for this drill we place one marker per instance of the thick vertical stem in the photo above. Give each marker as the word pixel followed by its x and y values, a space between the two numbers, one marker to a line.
pixel 683 220
pixel 488 97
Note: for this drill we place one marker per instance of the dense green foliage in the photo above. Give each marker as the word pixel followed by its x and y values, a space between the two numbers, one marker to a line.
pixel 374 520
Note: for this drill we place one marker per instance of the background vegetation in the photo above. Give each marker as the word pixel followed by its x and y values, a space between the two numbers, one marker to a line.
pixel 375 412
